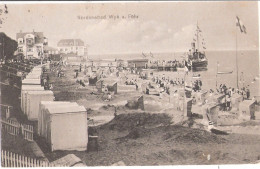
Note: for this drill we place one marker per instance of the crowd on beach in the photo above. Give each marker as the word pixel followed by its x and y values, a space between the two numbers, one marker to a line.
pixel 166 84
pixel 229 92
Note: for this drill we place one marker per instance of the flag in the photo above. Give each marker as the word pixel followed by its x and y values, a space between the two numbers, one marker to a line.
pixel 240 24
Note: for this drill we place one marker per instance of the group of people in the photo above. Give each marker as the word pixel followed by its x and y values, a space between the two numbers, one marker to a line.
pixel 197 85
pixel 46 83
pixel 172 63
pixel 244 91
pixel 229 92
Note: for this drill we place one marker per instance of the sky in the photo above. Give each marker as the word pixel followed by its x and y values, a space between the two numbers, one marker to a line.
pixel 154 26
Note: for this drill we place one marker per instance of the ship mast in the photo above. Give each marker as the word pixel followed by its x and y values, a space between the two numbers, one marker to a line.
pixel 197 30
pixel 236 60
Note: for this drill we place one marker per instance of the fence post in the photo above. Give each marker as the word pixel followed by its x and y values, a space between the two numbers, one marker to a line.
pixel 5 159
pixel 45 164
pixel 34 163
pixel 26 162
pixel 25 134
pixel 29 162
pixel 12 159
pixel 23 160
pixel 15 130
pixel 12 127
pixel 7 126
pixel 8 162
pixel 2 158
pixel 12 164
pixel 38 163
pixel 19 161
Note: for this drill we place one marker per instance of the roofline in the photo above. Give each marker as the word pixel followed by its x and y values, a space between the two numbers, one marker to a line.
pixel 67 112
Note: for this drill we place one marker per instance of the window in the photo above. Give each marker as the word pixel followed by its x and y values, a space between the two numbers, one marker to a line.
pixel 29 49
pixel 20 41
pixel 29 41
pixel 20 49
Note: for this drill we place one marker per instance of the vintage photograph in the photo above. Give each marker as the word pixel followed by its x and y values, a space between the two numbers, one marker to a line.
pixel 129 83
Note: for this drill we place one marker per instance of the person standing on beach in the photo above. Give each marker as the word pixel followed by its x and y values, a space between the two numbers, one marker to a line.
pixel 224 103
pixel 115 113
pixel 200 84
pixel 248 93
pixel 228 101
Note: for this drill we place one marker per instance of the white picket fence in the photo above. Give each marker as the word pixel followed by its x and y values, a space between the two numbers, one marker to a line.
pixel 15 128
pixel 9 159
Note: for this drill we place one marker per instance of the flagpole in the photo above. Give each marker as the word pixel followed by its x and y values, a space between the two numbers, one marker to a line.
pixel 217 77
pixel 237 60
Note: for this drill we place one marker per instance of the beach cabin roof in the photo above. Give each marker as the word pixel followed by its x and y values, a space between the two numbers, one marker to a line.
pixel 62 110
pixel 31 87
pixel 247 102
pixel 33 76
pixel 57 103
pixel 31 81
pixel 39 92
pixel 36 69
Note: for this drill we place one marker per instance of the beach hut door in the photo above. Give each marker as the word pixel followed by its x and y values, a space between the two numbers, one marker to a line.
pixel 49 133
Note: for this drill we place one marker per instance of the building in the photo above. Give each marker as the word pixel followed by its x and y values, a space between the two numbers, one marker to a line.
pixel 102 63
pixel 50 50
pixel 31 44
pixel 138 63
pixel 76 46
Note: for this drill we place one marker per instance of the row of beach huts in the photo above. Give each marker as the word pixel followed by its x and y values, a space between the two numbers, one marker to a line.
pixel 63 125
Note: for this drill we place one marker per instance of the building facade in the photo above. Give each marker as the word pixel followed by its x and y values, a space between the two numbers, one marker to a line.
pixel 31 44
pixel 76 46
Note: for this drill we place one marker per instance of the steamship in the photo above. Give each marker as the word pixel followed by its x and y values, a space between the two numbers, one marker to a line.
pixel 197 59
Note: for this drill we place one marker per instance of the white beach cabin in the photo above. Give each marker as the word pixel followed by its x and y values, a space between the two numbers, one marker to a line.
pixel 42 108
pixel 66 128
pixel 33 101
pixel 26 88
